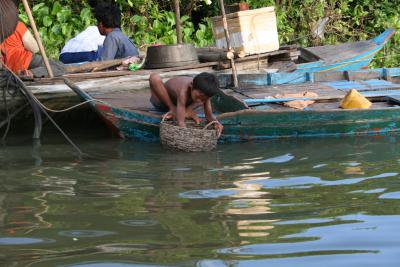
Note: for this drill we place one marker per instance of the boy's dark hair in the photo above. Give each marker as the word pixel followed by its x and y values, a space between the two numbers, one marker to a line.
pixel 108 14
pixel 206 83
pixel 94 3
pixel 16 2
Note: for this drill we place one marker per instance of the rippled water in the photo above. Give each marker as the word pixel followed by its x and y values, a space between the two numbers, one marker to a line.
pixel 295 202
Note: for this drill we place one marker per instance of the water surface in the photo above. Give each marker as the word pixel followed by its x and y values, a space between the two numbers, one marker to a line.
pixel 295 202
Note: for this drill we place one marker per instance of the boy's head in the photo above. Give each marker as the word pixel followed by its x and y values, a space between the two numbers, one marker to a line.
pixel 94 3
pixel 206 84
pixel 108 17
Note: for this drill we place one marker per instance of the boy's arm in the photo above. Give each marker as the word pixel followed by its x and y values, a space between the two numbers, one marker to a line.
pixel 181 110
pixel 210 117
pixel 208 111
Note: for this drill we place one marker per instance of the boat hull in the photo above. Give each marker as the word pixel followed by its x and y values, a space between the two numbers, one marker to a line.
pixel 253 125
pixel 250 125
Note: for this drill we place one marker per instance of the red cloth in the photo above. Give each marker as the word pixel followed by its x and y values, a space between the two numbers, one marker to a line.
pixel 15 56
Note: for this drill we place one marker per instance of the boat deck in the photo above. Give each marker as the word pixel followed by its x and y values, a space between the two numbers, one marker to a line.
pixel 330 95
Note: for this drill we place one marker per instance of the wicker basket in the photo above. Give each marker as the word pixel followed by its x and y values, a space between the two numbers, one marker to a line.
pixel 191 139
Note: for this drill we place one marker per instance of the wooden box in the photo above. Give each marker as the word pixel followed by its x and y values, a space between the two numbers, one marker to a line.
pixel 252 31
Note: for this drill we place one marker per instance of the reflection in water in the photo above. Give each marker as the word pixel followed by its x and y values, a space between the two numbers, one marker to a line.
pixel 249 200
pixel 22 241
pixel 140 223
pixel 359 230
pixel 111 264
pixel 301 202
pixel 85 233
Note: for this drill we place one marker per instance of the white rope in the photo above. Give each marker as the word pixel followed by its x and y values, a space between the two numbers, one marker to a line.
pixel 67 109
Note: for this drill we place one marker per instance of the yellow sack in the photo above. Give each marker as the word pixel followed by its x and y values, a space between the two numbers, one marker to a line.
pixel 354 99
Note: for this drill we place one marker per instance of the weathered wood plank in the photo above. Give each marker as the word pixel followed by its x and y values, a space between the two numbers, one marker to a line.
pixel 337 53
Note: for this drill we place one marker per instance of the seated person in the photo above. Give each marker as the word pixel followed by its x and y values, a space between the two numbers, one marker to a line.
pixel 86 46
pixel 117 44
pixel 179 96
pixel 18 54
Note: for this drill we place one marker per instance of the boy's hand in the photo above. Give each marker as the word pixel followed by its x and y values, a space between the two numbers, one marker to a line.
pixel 219 127
pixel 171 114
pixel 190 114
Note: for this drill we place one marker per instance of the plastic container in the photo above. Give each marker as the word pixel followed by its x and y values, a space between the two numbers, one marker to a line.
pixel 354 100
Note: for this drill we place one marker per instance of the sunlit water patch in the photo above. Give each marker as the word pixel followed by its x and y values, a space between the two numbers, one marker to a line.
pixel 139 223
pixel 4 241
pixel 85 233
pixel 391 195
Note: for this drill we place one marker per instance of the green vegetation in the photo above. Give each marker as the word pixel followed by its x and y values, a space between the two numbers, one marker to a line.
pixel 151 21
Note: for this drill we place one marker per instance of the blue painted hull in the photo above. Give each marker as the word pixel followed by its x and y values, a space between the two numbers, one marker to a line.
pixel 255 125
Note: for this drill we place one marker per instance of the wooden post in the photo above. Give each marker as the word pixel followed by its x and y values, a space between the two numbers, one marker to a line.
pixel 38 39
pixel 178 22
pixel 228 42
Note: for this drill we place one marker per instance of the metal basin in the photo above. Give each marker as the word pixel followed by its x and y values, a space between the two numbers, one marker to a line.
pixel 167 56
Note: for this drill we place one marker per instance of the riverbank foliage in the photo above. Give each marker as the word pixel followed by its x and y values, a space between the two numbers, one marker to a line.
pixel 152 21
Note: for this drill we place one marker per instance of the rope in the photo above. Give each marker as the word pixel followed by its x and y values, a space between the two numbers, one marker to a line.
pixel 67 109
pixel 62 110
pixel 22 86
pixel 8 116
pixel 62 132
pixel 9 87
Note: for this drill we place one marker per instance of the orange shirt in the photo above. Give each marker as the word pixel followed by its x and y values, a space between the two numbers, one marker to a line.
pixel 15 55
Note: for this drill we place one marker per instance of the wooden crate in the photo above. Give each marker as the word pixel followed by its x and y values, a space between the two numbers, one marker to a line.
pixel 252 31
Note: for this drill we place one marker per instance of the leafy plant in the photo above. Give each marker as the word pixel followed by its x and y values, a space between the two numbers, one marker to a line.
pixel 58 23
pixel 152 21
pixel 160 29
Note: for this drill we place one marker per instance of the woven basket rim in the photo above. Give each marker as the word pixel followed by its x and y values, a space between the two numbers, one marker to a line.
pixel 188 126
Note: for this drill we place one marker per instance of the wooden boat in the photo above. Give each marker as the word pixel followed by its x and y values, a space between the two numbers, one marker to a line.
pixel 347 56
pixel 354 55
pixel 253 113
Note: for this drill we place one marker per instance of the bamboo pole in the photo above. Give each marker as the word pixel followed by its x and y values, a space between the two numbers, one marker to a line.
pixel 93 66
pixel 38 39
pixel 178 22
pixel 228 42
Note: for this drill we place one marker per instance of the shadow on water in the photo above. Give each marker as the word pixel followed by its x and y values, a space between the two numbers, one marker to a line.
pixel 276 203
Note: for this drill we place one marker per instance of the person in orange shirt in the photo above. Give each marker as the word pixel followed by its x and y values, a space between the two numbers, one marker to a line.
pixel 18 49
pixel 18 53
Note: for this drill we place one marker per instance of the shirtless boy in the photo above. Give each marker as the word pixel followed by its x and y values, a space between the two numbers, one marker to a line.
pixel 179 96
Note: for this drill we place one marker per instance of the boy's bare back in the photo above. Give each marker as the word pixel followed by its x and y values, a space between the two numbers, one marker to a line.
pixel 179 86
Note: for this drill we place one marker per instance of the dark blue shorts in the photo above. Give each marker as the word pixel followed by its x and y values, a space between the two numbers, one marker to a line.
pixel 159 106
pixel 68 58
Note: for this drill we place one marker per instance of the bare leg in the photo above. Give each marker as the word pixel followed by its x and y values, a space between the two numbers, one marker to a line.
pixel 159 93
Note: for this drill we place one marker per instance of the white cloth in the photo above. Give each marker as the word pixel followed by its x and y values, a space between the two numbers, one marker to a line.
pixel 86 41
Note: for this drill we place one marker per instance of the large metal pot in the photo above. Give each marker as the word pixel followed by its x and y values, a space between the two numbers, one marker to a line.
pixel 167 56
